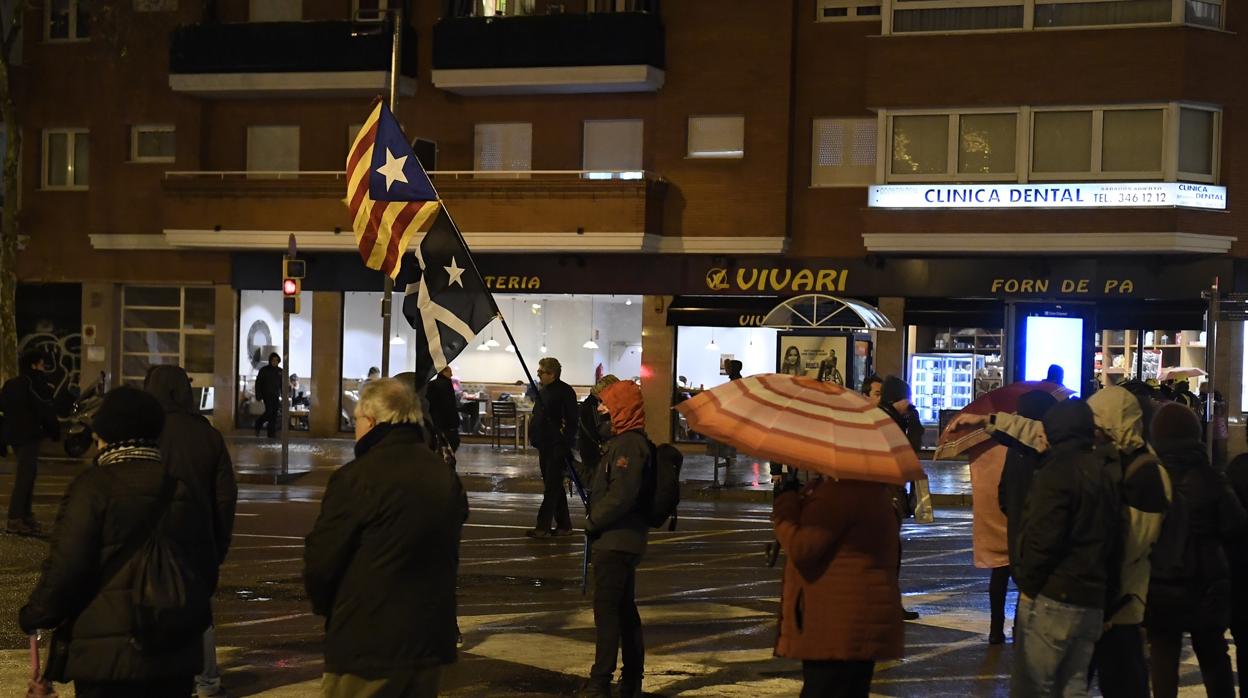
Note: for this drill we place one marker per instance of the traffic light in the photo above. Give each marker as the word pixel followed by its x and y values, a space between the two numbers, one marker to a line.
pixel 293 268
pixel 290 295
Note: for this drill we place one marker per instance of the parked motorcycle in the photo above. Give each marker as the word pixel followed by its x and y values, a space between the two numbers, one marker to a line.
pixel 78 435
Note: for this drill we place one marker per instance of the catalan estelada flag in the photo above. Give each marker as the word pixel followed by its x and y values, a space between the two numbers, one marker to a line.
pixel 388 192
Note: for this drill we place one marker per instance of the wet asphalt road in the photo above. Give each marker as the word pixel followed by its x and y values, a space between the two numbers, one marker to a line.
pixel 707 601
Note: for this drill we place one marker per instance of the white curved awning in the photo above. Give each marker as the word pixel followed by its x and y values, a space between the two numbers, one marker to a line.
pixel 818 311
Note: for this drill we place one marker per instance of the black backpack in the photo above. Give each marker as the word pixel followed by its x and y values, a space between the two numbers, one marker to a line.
pixel 663 484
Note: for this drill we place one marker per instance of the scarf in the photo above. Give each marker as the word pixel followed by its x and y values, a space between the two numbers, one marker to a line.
pixel 135 449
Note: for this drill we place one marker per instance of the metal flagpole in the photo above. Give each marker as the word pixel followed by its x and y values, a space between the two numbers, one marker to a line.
pixel 388 286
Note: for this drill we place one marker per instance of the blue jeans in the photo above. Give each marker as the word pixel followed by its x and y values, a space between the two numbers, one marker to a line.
pixel 1053 644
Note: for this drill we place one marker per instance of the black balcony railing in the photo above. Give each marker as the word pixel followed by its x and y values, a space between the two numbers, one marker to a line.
pixel 288 47
pixel 547 41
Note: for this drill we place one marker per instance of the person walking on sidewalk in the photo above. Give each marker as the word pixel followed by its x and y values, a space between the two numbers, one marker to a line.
pixel 617 528
pixel 195 453
pixel 1070 524
pixel 269 389
pixel 894 400
pixel 553 432
pixel 444 408
pixel 28 419
pixel 380 562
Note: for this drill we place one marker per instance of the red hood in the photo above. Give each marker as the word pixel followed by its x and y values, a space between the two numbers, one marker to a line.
pixel 623 401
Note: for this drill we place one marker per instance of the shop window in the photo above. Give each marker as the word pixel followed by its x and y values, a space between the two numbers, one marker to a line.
pixel 716 137
pixel 272 151
pixel 1104 143
pixel 361 346
pixel 843 152
pixel 700 355
pixel 67 20
pixel 170 325
pixel 260 334
pixel 152 143
pixel 65 158
pixel 1198 142
pixel 613 149
pixel 503 147
pixel 275 11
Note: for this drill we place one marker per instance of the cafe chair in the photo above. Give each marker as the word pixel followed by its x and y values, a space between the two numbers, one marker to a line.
pixel 503 417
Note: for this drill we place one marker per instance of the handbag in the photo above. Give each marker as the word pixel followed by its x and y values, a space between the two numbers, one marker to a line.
pixel 255 408
pixel 39 685
pixel 922 494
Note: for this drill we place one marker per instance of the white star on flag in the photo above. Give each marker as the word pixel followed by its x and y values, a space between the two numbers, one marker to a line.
pixel 393 169
pixel 454 272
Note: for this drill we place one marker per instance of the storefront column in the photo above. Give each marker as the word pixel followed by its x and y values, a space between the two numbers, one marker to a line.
pixel 225 358
pixel 100 308
pixel 326 365
pixel 890 347
pixel 658 360
pixel 1229 367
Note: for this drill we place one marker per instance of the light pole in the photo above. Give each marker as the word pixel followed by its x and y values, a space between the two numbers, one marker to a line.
pixel 396 44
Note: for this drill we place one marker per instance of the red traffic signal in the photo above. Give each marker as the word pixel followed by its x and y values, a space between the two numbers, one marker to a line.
pixel 290 287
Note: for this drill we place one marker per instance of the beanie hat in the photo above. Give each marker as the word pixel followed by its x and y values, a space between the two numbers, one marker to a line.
pixel 1175 422
pixel 128 414
pixel 893 389
pixel 1034 403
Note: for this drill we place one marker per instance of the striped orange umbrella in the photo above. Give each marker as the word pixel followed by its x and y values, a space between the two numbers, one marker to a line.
pixel 807 424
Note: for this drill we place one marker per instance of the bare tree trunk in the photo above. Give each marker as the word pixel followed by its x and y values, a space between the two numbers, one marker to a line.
pixel 9 39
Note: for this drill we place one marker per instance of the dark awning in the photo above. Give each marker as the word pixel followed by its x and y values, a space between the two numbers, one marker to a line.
pixel 720 311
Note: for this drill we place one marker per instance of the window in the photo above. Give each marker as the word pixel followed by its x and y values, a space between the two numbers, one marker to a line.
pixel 1104 143
pixel 65 159
pixel 272 151
pixel 503 147
pixel 910 16
pixel 275 11
pixel 847 11
pixel 716 137
pixel 1198 130
pixel 67 20
pixel 842 152
pixel 369 10
pixel 613 149
pixel 353 132
pixel 972 145
pixel 152 144
pixel 168 325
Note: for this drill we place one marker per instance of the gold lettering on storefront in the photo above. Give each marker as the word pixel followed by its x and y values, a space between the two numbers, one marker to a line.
pixel 777 279
pixel 513 283
pixel 1123 287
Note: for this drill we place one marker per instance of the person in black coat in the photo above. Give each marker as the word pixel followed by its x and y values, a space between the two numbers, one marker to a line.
pixel 553 432
pixel 1237 552
pixel 1195 599
pixel 894 400
pixel 444 408
pixel 269 389
pixel 29 418
pixel 380 562
pixel 590 441
pixel 196 454
pixel 103 507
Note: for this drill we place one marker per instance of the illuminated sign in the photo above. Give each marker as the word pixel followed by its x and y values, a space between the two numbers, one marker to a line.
pixel 776 279
pixel 1083 195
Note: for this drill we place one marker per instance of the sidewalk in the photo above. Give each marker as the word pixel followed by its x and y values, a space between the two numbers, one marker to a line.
pixel 509 470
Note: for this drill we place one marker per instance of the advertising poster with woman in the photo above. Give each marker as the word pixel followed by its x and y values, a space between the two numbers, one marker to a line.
pixel 824 358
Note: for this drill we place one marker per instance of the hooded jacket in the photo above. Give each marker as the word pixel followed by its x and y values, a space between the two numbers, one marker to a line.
pixel 1071 518
pixel 195 452
pixel 617 516
pixel 1021 462
pixel 1145 494
pixel 28 412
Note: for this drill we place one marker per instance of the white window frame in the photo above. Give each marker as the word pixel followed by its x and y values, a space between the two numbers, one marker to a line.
pixel 714 155
pixel 853 8
pixel 636 173
pixel 182 330
pixel 1178 15
pixel 884 152
pixel 74 35
pixel 150 128
pixel 383 9
pixel 814 158
pixel 1098 129
pixel 1173 143
pixel 73 134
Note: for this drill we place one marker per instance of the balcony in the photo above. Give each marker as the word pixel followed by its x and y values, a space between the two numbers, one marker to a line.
pixel 549 54
pixel 537 211
pixel 288 59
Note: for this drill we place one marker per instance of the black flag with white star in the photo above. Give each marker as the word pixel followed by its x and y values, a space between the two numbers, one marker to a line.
pixel 448 304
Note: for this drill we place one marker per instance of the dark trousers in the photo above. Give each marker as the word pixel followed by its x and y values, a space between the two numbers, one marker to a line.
pixel 1119 663
pixel 271 408
pixel 159 688
pixel 24 480
pixel 837 679
pixel 1209 644
pixel 554 509
pixel 1239 631
pixel 617 625
pixel 998 585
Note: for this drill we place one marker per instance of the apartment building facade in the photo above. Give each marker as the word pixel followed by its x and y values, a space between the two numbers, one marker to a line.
pixel 636 175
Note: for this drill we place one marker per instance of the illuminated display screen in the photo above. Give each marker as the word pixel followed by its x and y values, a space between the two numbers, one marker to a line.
pixel 1054 340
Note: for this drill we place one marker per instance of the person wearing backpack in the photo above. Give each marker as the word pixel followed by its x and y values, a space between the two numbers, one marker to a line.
pixel 1191 592
pixel 88 591
pixel 617 525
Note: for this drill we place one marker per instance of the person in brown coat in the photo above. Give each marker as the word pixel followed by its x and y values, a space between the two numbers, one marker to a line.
pixel 840 610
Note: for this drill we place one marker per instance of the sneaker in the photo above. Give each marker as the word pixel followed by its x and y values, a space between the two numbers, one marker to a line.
pixel 630 687
pixel 537 533
pixel 561 532
pixel 909 615
pixel 593 688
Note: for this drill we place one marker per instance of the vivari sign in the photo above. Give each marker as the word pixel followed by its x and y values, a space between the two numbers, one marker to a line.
pixel 1081 195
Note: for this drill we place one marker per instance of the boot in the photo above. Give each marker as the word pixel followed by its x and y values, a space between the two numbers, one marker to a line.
pixel 595 688
pixel 630 687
